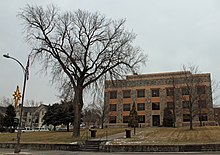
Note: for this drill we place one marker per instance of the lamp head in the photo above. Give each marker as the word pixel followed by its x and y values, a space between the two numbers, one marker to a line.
pixel 6 55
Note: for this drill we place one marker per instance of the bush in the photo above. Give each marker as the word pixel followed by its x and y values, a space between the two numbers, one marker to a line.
pixel 168 118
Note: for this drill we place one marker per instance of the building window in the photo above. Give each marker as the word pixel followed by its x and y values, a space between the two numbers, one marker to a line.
pixel 170 105
pixel 155 92
pixel 141 93
pixel 125 119
pixel 141 118
pixel 36 121
pixel 126 107
pixel 185 104
pixel 113 107
pixel 140 106
pixel 203 117
pixel 186 117
pixel 112 119
pixel 185 91
pixel 202 104
pixel 126 93
pixel 170 91
pixel 156 106
pixel 113 94
pixel 201 90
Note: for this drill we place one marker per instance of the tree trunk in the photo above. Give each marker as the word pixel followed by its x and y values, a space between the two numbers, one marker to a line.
pixel 78 104
pixel 200 123
pixel 102 124
pixel 68 127
pixel 200 115
pixel 191 119
pixel 191 112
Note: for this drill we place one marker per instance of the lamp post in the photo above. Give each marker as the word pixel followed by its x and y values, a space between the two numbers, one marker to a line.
pixel 25 70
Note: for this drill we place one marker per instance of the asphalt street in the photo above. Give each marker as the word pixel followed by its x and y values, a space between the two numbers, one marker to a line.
pixel 54 152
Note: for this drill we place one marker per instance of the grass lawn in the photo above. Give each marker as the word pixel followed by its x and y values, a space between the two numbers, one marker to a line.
pixel 158 135
pixel 181 135
pixel 56 136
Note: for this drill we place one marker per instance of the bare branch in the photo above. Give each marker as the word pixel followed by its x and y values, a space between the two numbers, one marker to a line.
pixel 80 48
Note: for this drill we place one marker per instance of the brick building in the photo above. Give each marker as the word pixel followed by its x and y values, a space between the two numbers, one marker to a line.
pixel 151 93
pixel 217 115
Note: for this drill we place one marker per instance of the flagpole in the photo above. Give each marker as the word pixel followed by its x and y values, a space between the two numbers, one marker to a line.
pixel 26 72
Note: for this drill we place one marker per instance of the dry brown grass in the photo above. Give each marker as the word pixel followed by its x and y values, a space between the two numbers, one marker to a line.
pixel 164 136
pixel 144 136
pixel 55 137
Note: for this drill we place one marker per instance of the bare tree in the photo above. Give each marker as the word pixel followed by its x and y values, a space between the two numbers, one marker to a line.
pixel 215 91
pixel 91 116
pixel 32 103
pixel 102 109
pixel 81 48
pixel 96 113
pixel 196 93
pixel 190 82
pixel 172 93
pixel 6 101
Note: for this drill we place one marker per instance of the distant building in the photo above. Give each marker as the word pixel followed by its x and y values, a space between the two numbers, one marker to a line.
pixel 32 116
pixel 152 93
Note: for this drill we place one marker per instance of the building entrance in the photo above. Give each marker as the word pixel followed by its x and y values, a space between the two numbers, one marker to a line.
pixel 156 120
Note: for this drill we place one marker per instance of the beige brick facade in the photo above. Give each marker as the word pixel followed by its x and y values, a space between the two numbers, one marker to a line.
pixel 152 93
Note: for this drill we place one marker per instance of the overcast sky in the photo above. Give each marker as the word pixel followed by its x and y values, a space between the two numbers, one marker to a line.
pixel 171 32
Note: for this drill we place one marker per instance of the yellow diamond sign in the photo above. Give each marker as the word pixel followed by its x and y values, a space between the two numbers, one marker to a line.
pixel 17 96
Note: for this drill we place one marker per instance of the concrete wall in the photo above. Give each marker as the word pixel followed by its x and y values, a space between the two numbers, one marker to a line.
pixel 119 148
pixel 160 148
pixel 36 146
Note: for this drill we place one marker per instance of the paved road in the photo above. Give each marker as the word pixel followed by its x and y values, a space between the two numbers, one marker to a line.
pixel 35 152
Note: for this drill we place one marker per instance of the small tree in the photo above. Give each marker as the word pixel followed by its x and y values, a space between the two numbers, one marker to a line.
pixel 190 82
pixel 66 113
pixel 49 115
pixel 103 112
pixel 91 115
pixel 133 117
pixel 174 94
pixel 196 94
pixel 59 114
pixel 9 118
pixel 98 108
pixel 168 119
pixel 1 122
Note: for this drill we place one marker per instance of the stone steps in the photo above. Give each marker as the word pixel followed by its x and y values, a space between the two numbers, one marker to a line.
pixel 91 145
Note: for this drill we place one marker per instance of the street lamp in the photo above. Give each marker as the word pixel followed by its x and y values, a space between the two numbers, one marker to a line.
pixel 25 70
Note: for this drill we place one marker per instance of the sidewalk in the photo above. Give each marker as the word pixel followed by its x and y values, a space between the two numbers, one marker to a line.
pixel 118 135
